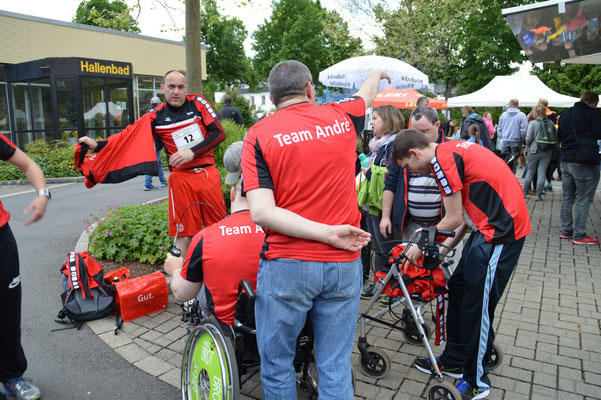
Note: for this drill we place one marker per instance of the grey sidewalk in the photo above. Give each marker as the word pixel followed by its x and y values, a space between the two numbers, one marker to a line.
pixel 548 325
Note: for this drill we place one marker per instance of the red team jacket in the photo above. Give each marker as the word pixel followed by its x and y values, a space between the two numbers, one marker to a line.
pixel 131 152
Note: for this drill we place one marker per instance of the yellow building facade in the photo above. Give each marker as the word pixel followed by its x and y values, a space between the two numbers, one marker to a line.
pixel 65 80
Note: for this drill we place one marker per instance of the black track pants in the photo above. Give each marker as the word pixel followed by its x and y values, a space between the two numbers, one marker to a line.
pixel 474 291
pixel 12 358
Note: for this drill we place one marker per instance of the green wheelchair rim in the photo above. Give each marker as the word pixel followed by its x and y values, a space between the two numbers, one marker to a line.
pixel 205 369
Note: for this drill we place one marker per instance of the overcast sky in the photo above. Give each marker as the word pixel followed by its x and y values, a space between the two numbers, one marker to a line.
pixel 154 20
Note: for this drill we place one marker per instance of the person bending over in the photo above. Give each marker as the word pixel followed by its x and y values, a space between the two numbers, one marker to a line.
pixel 480 192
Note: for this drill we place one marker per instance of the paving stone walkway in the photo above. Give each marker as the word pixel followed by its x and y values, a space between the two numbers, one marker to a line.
pixel 548 325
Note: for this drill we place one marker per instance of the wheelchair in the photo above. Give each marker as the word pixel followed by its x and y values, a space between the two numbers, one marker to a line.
pixel 216 355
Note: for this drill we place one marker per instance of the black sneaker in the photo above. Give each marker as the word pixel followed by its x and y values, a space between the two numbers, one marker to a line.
pixel 468 392
pixel 368 291
pixel 425 365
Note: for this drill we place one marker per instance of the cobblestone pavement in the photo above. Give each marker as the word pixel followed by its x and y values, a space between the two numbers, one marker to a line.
pixel 548 325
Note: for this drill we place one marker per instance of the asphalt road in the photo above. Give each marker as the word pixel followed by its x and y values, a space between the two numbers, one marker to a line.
pixel 70 364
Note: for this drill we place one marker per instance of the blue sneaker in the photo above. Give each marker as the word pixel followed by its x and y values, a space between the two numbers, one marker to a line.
pixel 21 389
pixel 468 392
pixel 148 188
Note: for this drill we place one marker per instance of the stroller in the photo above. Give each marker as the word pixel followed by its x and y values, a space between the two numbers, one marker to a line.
pixel 374 361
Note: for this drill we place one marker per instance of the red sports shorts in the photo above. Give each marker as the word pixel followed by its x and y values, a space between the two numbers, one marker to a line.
pixel 190 186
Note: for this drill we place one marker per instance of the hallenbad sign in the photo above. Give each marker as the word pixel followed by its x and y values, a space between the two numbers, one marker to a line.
pixel 101 67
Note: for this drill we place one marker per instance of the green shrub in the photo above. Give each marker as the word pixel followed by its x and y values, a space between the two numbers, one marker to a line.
pixel 233 133
pixel 55 160
pixel 133 233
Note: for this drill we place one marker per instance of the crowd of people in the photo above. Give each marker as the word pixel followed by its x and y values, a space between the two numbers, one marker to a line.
pixel 294 228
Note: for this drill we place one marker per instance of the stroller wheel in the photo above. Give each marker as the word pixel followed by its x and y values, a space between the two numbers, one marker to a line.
pixel 412 334
pixel 442 391
pixel 496 357
pixel 378 366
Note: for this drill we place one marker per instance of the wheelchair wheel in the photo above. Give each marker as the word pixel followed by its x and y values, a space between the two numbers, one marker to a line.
pixel 442 391
pixel 496 357
pixel 209 369
pixel 379 367
pixel 412 334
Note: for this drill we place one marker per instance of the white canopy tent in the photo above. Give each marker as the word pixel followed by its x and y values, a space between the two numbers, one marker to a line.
pixel 527 89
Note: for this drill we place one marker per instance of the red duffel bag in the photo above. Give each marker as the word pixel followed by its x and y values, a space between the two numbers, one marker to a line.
pixel 141 296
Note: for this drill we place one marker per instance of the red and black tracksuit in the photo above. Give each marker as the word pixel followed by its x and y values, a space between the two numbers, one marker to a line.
pixel 494 207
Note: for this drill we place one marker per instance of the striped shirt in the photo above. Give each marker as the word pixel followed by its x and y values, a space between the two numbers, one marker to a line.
pixel 423 198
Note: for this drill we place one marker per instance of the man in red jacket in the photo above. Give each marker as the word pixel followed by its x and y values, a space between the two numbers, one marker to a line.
pixel 189 129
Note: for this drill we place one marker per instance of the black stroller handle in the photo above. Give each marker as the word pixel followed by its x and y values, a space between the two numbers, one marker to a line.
pixel 445 233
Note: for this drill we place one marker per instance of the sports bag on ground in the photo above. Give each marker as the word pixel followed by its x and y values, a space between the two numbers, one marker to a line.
pixel 137 297
pixel 85 296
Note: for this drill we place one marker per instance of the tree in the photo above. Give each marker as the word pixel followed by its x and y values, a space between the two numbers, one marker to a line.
pixel 339 43
pixel 193 64
pixel 303 31
pixel 426 35
pixel 571 79
pixel 224 42
pixel 113 14
pixel 489 46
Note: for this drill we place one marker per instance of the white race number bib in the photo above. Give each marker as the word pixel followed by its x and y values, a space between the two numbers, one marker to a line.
pixel 187 137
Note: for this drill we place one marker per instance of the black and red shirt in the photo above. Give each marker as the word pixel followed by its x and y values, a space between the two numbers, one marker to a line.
pixel 306 154
pixel 221 256
pixel 493 200
pixel 194 125
pixel 7 150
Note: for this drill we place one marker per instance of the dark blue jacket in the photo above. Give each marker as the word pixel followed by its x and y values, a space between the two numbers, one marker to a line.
pixel 474 118
pixel 396 181
pixel 579 130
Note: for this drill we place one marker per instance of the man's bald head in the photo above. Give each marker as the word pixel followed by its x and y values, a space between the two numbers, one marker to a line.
pixel 174 88
pixel 172 71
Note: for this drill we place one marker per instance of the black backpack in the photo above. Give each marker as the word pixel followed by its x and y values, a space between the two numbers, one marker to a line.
pixel 547 137
pixel 85 297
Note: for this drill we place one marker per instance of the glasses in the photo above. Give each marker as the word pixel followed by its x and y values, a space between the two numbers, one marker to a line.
pixel 310 82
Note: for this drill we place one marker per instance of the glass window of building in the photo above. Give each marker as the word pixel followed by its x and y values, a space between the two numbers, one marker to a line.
pixel 20 94
pixel 145 82
pixel 144 92
pixel 4 119
pixel 95 107
pixel 67 110
pixel 118 107
pixel 40 104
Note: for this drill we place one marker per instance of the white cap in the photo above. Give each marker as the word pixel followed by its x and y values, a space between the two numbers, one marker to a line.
pixel 231 160
pixel 155 100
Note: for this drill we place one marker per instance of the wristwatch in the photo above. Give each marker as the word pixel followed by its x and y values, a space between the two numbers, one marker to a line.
pixel 45 192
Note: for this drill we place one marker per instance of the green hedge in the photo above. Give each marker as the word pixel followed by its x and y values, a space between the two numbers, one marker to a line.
pixel 55 160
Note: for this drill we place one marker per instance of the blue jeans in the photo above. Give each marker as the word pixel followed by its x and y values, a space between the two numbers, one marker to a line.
pixel 287 290
pixel 148 181
pixel 578 186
